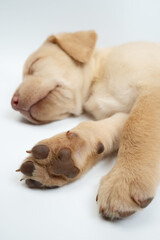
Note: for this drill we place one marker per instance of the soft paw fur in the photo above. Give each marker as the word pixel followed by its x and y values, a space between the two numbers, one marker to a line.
pixel 122 193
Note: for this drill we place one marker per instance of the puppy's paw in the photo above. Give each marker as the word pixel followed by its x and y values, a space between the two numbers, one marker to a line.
pixel 60 160
pixel 121 194
pixel 52 161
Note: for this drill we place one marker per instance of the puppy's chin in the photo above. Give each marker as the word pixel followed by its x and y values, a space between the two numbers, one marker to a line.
pixel 39 118
pixel 27 115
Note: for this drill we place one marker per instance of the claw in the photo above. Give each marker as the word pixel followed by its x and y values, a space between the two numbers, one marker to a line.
pixel 97 198
pixel 22 179
pixel 101 210
pixel 28 151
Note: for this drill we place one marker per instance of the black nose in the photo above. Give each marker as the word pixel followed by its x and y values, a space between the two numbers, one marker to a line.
pixel 27 168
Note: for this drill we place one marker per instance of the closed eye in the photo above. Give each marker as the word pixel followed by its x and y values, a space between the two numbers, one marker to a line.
pixel 30 70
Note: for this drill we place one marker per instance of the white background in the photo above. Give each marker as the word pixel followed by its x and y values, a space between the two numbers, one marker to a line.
pixel 70 212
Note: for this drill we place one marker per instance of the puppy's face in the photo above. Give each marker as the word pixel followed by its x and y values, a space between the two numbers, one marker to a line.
pixel 52 78
pixel 47 90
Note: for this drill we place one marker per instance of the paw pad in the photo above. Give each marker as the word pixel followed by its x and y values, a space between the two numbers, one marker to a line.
pixel 40 151
pixel 100 148
pixel 126 214
pixel 33 184
pixel 143 203
pixel 27 168
pixel 64 165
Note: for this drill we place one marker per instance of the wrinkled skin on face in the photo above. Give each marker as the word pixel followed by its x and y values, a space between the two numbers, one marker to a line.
pixel 53 78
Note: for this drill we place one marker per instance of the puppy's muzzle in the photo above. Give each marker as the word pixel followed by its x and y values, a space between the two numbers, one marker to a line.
pixel 17 105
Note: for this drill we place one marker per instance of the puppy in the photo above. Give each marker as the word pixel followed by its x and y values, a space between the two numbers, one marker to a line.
pixel 119 87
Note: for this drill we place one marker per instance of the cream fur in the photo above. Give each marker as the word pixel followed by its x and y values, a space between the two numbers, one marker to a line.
pixel 121 85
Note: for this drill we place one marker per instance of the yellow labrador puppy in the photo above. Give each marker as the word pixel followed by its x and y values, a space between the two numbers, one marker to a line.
pixel 119 87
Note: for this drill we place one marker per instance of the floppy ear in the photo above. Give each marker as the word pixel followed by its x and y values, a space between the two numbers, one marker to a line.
pixel 78 45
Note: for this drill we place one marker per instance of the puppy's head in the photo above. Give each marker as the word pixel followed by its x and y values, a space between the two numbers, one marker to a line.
pixel 52 78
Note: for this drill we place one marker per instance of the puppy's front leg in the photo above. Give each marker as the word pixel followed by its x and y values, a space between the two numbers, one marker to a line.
pixel 132 183
pixel 64 158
